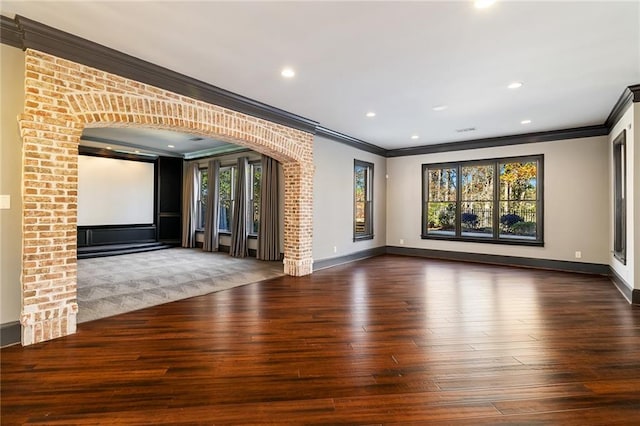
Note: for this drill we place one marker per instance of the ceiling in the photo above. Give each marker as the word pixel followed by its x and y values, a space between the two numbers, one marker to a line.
pixel 397 59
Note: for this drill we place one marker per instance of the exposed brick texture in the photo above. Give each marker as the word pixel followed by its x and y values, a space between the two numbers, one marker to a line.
pixel 62 98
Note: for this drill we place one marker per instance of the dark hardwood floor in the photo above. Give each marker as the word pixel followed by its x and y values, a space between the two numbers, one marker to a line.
pixel 387 340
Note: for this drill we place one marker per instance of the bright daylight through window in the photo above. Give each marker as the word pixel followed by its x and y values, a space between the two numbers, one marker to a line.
pixel 498 200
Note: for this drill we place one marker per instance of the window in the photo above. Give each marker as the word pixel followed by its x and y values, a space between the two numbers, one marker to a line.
pixel 227 189
pixel 254 197
pixel 498 200
pixel 202 198
pixel 363 200
pixel 620 198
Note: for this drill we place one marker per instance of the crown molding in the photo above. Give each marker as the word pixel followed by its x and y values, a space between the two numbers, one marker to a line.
pixel 10 33
pixel 25 33
pixel 46 39
pixel 629 95
pixel 553 135
pixel 351 141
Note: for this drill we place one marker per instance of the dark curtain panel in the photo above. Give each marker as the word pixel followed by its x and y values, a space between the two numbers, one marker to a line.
pixel 239 229
pixel 269 228
pixel 190 206
pixel 213 206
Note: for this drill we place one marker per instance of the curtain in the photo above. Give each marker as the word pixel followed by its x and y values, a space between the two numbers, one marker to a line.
pixel 213 206
pixel 269 228
pixel 190 206
pixel 239 229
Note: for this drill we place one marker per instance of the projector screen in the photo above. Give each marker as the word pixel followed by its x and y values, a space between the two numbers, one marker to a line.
pixel 114 192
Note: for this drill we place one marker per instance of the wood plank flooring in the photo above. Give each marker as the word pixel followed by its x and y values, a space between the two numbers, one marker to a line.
pixel 387 340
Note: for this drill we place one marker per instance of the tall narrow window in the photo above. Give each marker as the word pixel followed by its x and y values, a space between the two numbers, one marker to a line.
pixel 227 189
pixel 254 197
pixel 497 200
pixel 202 201
pixel 620 198
pixel 363 200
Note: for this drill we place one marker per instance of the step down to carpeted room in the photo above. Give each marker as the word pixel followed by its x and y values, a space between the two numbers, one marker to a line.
pixel 117 249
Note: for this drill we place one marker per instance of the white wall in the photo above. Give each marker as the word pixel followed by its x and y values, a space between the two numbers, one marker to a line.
pixel 628 272
pixel 333 199
pixel 12 104
pixel 575 200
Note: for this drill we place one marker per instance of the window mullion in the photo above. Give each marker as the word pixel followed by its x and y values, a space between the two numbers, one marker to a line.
pixel 458 200
pixel 496 200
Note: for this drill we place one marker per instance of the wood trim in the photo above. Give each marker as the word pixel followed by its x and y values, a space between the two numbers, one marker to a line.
pixel 156 151
pixel 628 96
pixel 351 141
pixel 622 286
pixel 334 261
pixel 25 33
pixel 10 333
pixel 557 265
pixel 553 135
pixel 44 38
pixel 10 34
pixel 108 153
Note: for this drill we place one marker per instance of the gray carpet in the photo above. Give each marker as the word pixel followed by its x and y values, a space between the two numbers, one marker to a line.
pixel 113 285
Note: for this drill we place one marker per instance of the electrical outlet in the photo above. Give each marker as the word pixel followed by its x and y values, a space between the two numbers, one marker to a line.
pixel 401 241
pixel 578 255
pixel 5 202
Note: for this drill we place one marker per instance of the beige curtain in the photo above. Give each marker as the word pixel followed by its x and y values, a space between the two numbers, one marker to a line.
pixel 269 228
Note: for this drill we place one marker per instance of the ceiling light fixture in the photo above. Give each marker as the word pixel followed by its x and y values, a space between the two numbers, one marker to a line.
pixel 440 107
pixel 483 4
pixel 108 147
pixel 525 122
pixel 515 85
pixel 170 146
pixel 287 72
pixel 415 137
pixel 370 114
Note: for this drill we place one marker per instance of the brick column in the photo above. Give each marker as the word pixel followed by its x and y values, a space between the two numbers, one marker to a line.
pixel 50 165
pixel 298 218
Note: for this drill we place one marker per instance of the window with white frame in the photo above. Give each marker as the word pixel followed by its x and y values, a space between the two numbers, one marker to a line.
pixel 202 198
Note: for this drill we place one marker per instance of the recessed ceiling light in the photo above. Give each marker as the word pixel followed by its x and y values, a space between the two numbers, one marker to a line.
pixel 466 129
pixel 137 152
pixel 108 147
pixel 415 137
pixel 440 107
pixel 170 146
pixel 287 72
pixel 525 122
pixel 483 4
pixel 196 139
pixel 515 85
pixel 370 114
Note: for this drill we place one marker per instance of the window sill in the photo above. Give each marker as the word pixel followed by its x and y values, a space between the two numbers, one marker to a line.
pixel 362 237
pixel 512 242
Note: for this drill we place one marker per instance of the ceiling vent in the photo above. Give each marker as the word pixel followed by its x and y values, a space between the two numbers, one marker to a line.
pixel 196 139
pixel 466 129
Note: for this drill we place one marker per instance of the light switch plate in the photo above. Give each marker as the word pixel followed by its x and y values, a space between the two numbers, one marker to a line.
pixel 5 202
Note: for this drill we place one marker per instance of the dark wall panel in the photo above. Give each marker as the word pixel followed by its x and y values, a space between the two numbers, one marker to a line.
pixel 169 199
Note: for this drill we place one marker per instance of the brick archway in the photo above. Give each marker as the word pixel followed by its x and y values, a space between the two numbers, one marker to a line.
pixel 61 99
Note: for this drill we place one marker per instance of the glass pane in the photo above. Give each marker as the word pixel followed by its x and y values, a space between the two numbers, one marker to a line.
pixel 256 182
pixel 518 181
pixel 225 198
pixel 442 184
pixel 518 219
pixel 477 183
pixel 441 218
pixel 360 184
pixel 360 222
pixel 477 219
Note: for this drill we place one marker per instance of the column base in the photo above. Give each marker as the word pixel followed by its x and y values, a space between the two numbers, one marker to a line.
pixel 41 326
pixel 298 267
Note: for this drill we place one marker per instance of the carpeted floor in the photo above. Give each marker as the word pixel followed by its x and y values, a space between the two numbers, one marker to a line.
pixel 113 285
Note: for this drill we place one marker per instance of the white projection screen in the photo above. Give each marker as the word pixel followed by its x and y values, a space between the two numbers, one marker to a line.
pixel 114 192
